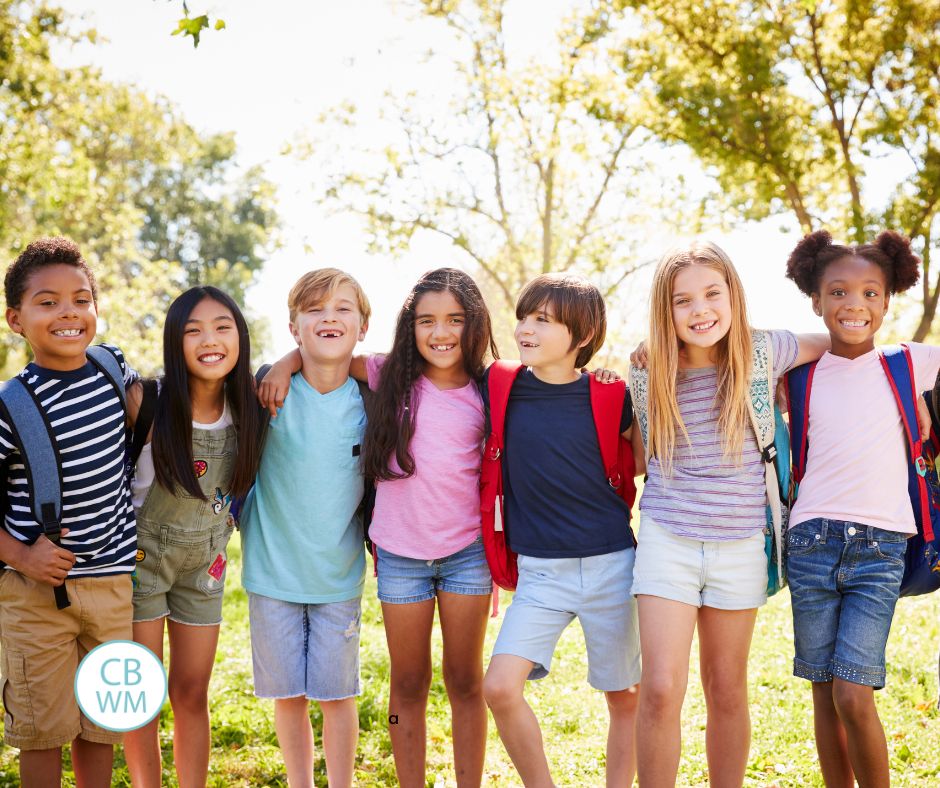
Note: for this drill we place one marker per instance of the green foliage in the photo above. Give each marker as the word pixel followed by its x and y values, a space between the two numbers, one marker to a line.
pixel 154 205
pixel 792 105
pixel 194 25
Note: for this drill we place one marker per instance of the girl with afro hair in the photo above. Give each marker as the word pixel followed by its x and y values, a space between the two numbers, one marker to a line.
pixel 849 527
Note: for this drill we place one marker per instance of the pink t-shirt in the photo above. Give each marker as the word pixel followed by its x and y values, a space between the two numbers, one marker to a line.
pixel 856 464
pixel 436 512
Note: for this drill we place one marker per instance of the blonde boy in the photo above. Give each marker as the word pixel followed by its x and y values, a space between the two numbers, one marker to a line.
pixel 304 562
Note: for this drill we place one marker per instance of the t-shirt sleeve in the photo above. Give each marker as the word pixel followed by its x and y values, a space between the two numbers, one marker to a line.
pixel 926 360
pixel 785 349
pixel 374 364
pixel 131 375
pixel 626 416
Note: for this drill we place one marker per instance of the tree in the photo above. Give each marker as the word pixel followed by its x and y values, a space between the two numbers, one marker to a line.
pixel 791 105
pixel 528 166
pixel 154 206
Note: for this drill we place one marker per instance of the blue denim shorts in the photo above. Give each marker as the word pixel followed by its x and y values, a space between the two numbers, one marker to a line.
pixel 844 583
pixel 305 650
pixel 406 580
pixel 597 590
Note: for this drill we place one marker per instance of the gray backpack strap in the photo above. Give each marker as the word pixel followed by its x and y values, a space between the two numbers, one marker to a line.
pixel 107 362
pixel 761 410
pixel 34 440
pixel 639 392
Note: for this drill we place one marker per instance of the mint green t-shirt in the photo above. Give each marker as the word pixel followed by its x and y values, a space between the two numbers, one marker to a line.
pixel 301 539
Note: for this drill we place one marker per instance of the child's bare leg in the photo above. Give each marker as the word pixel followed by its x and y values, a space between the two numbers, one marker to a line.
pixel 41 768
pixel 724 643
pixel 518 727
pixel 295 737
pixel 868 749
pixel 463 625
pixel 408 631
pixel 92 763
pixel 340 736
pixel 192 655
pixel 666 629
pixel 142 746
pixel 830 739
pixel 621 737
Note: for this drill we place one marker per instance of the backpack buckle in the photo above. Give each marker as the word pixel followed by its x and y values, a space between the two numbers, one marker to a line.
pixel 921 465
pixel 615 481
pixel 493 454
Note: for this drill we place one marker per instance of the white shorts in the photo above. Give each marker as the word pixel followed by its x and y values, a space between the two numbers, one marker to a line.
pixel 728 574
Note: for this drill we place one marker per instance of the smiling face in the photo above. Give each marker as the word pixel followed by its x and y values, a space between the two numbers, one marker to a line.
pixel 701 309
pixel 326 330
pixel 439 324
pixel 545 342
pixel 852 300
pixel 210 341
pixel 57 316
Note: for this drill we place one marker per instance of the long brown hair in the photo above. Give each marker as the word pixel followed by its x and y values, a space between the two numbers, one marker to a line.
pixel 733 363
pixel 391 423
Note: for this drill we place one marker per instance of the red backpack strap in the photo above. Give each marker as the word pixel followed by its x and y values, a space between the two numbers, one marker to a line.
pixel 499 380
pixel 607 409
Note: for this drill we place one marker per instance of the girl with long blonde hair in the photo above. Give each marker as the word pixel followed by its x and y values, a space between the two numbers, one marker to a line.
pixel 701 560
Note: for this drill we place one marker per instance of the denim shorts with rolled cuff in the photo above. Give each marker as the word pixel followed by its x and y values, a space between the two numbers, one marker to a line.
pixel 403 580
pixel 725 574
pixel 596 590
pixel 300 649
pixel 844 579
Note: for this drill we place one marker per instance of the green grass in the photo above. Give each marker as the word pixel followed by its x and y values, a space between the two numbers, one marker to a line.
pixel 573 717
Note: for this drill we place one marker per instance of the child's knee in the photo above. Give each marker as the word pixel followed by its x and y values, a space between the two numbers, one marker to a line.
pixel 501 690
pixel 411 685
pixel 623 702
pixel 852 701
pixel 467 683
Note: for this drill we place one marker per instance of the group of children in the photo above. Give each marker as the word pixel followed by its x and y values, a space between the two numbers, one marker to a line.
pixel 339 440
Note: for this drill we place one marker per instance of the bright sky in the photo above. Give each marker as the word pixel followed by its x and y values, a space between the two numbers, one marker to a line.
pixel 280 64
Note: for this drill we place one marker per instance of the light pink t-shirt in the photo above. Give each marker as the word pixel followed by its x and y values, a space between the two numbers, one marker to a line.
pixel 856 464
pixel 436 512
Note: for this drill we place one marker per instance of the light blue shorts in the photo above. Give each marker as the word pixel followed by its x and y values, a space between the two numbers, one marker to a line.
pixel 304 649
pixel 727 574
pixel 595 590
pixel 405 580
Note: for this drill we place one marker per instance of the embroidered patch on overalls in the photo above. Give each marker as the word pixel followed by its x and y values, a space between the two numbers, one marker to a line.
pixel 220 501
pixel 141 555
pixel 218 567
pixel 200 467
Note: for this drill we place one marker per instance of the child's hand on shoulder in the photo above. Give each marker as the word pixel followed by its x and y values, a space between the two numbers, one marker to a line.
pixel 604 375
pixel 46 562
pixel 639 357
pixel 272 391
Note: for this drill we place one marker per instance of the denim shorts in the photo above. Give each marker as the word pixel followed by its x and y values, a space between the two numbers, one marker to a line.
pixel 552 592
pixel 844 583
pixel 309 650
pixel 726 574
pixel 405 580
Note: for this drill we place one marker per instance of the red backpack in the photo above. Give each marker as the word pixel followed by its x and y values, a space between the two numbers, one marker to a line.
pixel 616 455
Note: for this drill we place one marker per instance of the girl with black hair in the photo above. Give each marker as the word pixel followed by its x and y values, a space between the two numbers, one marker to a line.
pixel 423 445
pixel 850 523
pixel 203 453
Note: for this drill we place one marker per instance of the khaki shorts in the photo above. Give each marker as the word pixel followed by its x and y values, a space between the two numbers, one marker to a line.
pixel 40 648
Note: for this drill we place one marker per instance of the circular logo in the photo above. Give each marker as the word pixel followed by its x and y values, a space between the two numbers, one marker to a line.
pixel 120 685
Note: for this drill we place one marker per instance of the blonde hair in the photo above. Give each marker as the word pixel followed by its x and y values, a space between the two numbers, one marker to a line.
pixel 316 286
pixel 733 363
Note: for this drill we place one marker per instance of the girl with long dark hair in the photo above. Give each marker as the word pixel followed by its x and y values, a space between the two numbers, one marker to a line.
pixel 203 454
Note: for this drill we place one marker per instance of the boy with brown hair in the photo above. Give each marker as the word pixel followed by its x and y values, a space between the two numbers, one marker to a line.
pixel 569 527
pixel 51 298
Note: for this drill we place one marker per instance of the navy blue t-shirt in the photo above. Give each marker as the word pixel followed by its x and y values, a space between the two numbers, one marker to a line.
pixel 558 501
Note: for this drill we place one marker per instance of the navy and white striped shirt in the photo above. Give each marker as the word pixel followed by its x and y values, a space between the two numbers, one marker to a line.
pixel 88 426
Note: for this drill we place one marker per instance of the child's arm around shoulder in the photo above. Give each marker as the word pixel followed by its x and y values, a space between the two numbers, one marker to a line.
pixel 274 387
pixel 810 347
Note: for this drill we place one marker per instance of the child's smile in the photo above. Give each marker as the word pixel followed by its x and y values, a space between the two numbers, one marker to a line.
pixel 852 301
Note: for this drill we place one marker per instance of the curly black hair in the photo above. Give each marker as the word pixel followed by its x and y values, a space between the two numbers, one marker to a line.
pixel 890 251
pixel 40 253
